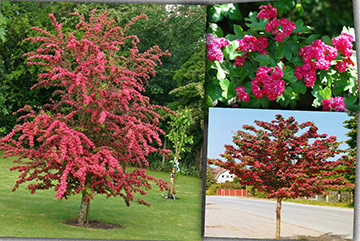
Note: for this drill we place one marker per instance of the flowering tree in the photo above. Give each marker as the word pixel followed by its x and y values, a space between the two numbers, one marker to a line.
pixel 98 124
pixel 278 62
pixel 285 160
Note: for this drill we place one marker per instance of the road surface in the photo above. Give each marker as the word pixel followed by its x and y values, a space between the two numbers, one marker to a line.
pixel 249 218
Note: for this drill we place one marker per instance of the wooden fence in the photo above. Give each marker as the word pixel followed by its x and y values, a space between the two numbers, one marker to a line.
pixel 232 192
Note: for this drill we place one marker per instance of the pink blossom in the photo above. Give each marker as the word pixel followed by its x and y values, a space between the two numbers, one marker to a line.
pixel 242 95
pixel 343 43
pixel 270 81
pixel 280 33
pixel 214 45
pixel 336 104
pixel 267 12
pixel 239 61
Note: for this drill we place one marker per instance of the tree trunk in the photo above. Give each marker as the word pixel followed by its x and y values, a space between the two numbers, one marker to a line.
pixel 172 191
pixel 278 217
pixel 87 213
pixel 82 210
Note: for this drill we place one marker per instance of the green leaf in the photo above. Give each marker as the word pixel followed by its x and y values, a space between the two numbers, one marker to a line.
pixel 214 92
pixel 208 101
pixel 215 29
pixel 245 71
pixel 224 84
pixel 288 53
pixel 316 94
pixel 230 50
pixel 255 23
pixel 280 50
pixel 289 74
pixel 354 108
pixel 214 14
pixel 300 28
pixel 231 37
pixel 264 102
pixel 299 87
pixel 352 84
pixel 231 11
pixel 239 32
pixel 222 71
pixel 2 35
pixel 312 38
pixel 326 39
pixel 350 100
pixel 264 60
pixel 231 92
pixel 284 6
pixel 325 93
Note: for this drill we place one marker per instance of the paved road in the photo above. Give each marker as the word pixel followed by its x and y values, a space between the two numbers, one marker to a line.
pixel 249 218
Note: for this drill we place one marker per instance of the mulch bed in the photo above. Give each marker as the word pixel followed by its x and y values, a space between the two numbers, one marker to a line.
pixel 94 224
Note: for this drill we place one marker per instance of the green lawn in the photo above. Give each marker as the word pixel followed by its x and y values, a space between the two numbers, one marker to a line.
pixel 41 215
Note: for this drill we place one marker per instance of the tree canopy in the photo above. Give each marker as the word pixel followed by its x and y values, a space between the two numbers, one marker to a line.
pixel 166 27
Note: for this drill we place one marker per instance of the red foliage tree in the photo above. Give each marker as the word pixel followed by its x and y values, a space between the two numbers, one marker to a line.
pixel 98 123
pixel 285 160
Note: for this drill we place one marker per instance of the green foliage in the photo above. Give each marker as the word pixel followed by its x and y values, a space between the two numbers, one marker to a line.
pixel 351 124
pixel 16 77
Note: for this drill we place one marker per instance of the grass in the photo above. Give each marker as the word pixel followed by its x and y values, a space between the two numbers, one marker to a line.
pixel 320 203
pixel 41 215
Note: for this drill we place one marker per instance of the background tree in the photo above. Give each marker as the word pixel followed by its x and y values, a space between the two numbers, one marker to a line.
pixel 98 124
pixel 180 140
pixel 210 179
pixel 351 124
pixel 285 159
pixel 191 93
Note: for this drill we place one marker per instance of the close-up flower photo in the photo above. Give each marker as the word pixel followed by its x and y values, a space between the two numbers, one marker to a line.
pixel 272 55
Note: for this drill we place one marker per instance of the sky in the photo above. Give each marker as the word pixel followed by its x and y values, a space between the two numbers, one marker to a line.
pixel 224 122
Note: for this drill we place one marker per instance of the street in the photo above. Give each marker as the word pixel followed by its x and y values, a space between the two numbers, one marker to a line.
pixel 249 218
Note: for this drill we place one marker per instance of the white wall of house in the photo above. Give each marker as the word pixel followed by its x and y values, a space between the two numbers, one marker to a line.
pixel 225 176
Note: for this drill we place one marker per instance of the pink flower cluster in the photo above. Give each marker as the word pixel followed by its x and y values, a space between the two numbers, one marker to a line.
pixel 316 56
pixel 280 33
pixel 336 103
pixel 242 95
pixel 214 45
pixel 270 13
pixel 272 85
pixel 343 43
pixel 342 65
pixel 250 44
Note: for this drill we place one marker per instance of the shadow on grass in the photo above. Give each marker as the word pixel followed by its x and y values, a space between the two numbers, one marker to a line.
pixel 324 237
